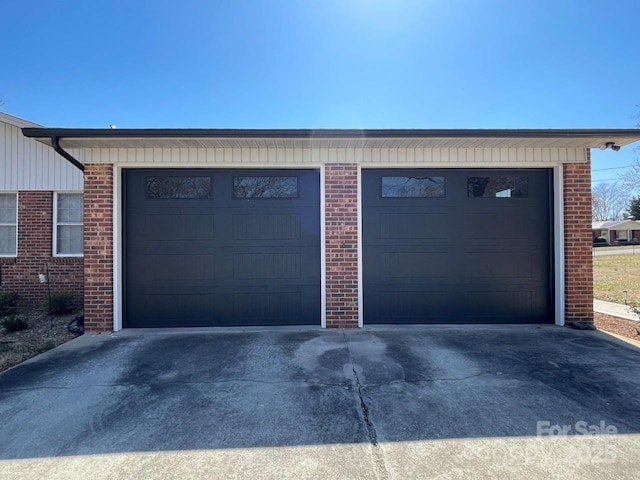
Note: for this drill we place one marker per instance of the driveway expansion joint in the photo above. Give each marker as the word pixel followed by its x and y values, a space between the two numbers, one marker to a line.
pixel 447 379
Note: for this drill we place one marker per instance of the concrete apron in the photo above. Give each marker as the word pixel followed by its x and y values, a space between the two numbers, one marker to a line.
pixel 389 402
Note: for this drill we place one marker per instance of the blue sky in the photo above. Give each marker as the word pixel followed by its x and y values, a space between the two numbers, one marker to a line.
pixel 325 63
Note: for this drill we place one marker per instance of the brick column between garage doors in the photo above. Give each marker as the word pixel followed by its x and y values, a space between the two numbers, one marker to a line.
pixel 98 248
pixel 578 242
pixel 341 230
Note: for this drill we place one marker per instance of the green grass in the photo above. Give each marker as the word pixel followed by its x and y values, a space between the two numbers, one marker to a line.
pixel 615 273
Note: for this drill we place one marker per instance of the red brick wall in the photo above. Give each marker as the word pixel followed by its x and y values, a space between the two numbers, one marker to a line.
pixel 578 242
pixel 341 207
pixel 98 248
pixel 35 248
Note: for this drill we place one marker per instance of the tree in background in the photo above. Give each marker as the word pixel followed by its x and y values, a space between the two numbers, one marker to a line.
pixel 634 207
pixel 631 179
pixel 608 202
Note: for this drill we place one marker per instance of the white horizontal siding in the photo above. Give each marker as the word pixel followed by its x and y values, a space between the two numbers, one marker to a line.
pixel 318 156
pixel 26 164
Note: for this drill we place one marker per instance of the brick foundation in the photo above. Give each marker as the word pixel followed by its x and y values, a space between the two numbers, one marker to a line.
pixel 98 248
pixel 35 248
pixel 341 228
pixel 578 244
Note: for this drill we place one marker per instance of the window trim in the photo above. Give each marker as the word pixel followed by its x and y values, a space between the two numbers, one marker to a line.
pixel 12 255
pixel 56 224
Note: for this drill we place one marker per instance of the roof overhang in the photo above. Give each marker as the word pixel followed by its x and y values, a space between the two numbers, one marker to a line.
pixel 332 138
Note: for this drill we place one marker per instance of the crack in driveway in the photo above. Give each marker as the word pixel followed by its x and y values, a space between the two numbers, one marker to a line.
pixel 144 384
pixel 377 453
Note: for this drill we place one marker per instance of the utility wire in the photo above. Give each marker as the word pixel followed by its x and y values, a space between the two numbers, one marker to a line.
pixel 612 168
pixel 605 180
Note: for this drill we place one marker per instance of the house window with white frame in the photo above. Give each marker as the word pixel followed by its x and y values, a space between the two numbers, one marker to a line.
pixel 8 224
pixel 69 228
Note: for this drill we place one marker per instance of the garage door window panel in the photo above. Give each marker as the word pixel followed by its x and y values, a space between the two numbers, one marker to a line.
pixel 412 187
pixel 265 187
pixel 178 187
pixel 516 186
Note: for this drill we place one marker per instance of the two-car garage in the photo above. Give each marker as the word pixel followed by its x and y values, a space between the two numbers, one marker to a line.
pixel 336 228
pixel 239 247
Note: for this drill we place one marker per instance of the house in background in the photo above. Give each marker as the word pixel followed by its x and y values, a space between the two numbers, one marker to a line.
pixel 333 228
pixel 617 232
pixel 41 217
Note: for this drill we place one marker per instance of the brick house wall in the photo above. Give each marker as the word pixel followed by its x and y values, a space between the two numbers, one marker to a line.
pixel 98 248
pixel 578 248
pixel 35 248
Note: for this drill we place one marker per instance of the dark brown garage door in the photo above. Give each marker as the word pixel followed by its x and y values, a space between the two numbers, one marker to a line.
pixel 221 247
pixel 457 246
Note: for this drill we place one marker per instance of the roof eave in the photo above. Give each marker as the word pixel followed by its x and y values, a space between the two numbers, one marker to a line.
pixel 327 133
pixel 582 138
pixel 17 121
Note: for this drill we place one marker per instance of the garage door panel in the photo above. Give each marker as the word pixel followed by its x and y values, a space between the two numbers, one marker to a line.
pixel 493 226
pixel 266 265
pixel 177 268
pixel 266 227
pixel 178 227
pixel 222 260
pixel 166 309
pixel 261 308
pixel 502 307
pixel 254 263
pixel 412 264
pixel 421 306
pixel 498 264
pixel 412 226
pixel 485 303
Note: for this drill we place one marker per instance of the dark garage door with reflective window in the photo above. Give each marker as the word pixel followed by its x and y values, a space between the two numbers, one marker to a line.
pixel 457 246
pixel 221 247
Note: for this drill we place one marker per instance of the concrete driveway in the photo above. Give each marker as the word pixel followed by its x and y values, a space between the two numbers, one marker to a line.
pixel 401 402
